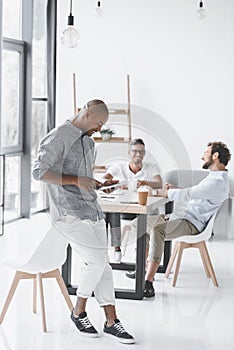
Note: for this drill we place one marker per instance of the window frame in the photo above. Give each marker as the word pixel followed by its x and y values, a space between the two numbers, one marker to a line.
pixel 18 46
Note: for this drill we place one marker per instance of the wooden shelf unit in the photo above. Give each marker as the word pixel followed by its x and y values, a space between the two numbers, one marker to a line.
pixel 127 112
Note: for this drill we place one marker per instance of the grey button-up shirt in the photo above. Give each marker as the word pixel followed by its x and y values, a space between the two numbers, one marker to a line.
pixel 65 151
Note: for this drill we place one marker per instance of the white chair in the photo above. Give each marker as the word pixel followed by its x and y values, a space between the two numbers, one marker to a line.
pixel 196 241
pixel 45 261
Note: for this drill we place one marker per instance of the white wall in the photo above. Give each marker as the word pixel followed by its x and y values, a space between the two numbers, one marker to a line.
pixel 181 70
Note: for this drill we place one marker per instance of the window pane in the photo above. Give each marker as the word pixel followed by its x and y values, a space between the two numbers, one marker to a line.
pixel 39 88
pixel 10 98
pixel 12 19
pixel 12 189
pixel 39 129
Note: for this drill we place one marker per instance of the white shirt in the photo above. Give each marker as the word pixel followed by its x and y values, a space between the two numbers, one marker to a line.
pixel 198 203
pixel 122 172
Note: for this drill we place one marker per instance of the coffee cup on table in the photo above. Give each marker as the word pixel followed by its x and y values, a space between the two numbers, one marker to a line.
pixel 142 195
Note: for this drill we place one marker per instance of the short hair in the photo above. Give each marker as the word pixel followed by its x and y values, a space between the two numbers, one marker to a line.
pixel 98 105
pixel 222 150
pixel 137 142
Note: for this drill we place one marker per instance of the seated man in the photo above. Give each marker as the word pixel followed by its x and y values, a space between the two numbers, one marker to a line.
pixel 194 207
pixel 143 173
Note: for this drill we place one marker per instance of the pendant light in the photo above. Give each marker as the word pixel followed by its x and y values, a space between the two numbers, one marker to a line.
pixel 70 37
pixel 98 9
pixel 201 11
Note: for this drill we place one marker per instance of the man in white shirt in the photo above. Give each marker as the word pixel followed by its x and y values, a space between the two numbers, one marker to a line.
pixel 194 207
pixel 136 172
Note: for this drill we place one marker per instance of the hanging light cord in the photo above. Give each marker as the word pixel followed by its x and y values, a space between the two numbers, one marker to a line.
pixel 70 7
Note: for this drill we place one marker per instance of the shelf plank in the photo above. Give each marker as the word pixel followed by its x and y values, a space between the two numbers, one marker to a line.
pixel 117 111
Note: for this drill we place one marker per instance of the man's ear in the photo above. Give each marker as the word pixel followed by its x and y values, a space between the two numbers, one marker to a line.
pixel 215 155
pixel 88 113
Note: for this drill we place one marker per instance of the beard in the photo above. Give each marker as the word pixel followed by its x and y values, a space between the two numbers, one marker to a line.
pixel 137 162
pixel 207 164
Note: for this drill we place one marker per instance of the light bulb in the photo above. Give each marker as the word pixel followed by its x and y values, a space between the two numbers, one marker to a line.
pixel 201 11
pixel 70 37
pixel 98 9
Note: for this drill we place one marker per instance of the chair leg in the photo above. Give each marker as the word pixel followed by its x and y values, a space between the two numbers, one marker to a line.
pixel 209 265
pixel 34 295
pixel 63 288
pixel 172 259
pixel 180 252
pixel 202 253
pixel 126 228
pixel 39 277
pixel 10 295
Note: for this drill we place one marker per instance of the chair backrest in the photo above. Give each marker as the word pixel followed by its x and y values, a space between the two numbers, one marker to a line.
pixel 185 178
pixel 202 236
pixel 48 255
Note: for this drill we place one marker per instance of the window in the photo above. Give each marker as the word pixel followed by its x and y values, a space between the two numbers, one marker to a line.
pixel 12 96
pixel 26 103
pixel 39 91
pixel 12 19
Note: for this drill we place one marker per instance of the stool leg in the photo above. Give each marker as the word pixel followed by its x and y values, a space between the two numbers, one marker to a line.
pixel 10 295
pixel 63 288
pixel 34 295
pixel 203 254
pixel 180 252
pixel 172 259
pixel 209 265
pixel 39 277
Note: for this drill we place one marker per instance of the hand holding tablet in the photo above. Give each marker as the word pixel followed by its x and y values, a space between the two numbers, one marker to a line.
pixel 112 185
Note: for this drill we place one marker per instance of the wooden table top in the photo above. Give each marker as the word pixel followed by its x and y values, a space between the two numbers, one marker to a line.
pixel 127 203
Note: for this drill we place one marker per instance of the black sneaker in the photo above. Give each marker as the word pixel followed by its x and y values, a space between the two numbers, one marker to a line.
pixel 117 332
pixel 84 325
pixel 149 291
pixel 131 274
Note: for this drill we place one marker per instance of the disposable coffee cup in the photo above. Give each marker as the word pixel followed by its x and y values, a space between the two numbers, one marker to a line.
pixel 142 195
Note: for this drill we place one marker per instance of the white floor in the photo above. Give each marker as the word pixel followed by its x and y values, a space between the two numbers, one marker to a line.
pixel 194 315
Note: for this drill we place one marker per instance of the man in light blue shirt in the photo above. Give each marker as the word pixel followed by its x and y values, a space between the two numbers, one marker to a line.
pixel 194 206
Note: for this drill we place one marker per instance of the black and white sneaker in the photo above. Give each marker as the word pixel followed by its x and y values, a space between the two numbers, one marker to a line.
pixel 131 274
pixel 84 325
pixel 117 332
pixel 149 291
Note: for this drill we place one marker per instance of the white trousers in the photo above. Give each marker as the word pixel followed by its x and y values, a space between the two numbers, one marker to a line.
pixel 89 240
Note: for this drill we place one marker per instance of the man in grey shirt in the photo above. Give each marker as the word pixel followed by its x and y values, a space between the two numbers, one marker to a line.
pixel 64 163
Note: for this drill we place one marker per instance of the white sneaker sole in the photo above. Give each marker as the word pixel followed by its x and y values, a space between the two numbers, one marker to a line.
pixel 89 335
pixel 119 340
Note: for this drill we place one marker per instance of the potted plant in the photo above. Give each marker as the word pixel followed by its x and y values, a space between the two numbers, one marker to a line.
pixel 106 133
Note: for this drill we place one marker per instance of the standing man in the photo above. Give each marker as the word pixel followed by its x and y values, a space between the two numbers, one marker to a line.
pixel 194 206
pixel 138 171
pixel 64 163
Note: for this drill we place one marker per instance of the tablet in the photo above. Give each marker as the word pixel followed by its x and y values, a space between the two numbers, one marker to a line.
pixel 119 184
